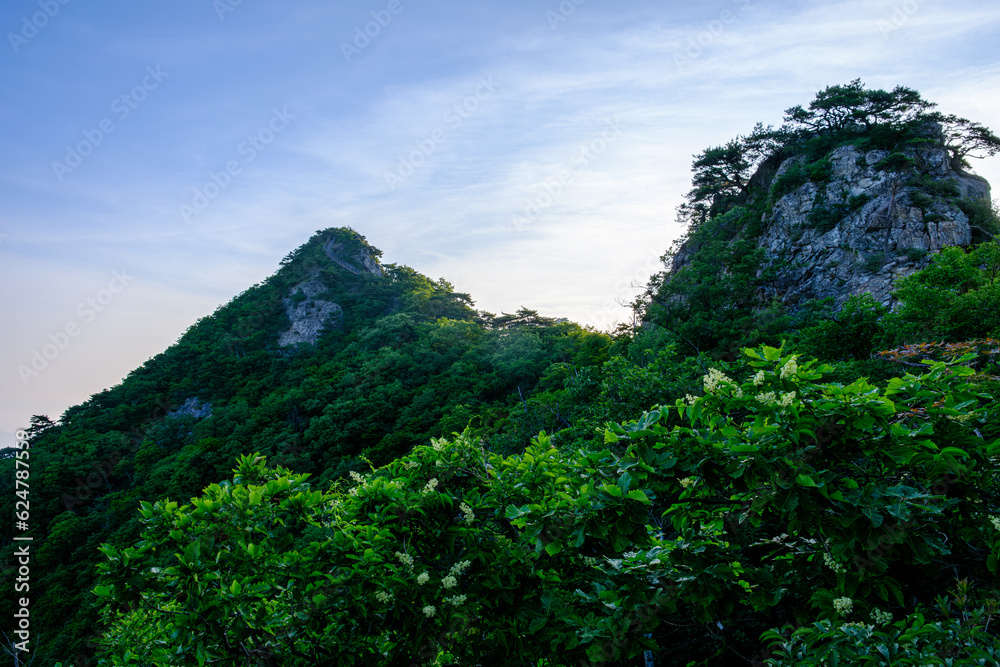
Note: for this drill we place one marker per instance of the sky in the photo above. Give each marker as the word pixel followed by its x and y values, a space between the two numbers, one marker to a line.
pixel 160 158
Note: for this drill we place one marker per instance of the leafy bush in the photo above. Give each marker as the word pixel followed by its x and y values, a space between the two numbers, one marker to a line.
pixel 820 170
pixel 874 262
pixel 895 162
pixel 914 642
pixel 984 218
pixel 772 500
pixel 855 202
pixel 825 215
pixel 849 334
pixel 790 181
pixel 957 297
pixel 946 188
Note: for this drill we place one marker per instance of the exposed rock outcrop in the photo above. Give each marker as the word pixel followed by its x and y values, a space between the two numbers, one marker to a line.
pixel 890 228
pixel 192 407
pixel 308 314
pixel 861 227
pixel 334 250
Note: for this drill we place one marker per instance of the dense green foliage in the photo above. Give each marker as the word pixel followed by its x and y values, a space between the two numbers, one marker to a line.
pixel 778 499
pixel 956 298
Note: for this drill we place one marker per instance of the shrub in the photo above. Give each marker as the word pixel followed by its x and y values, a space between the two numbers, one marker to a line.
pixel 874 262
pixel 984 218
pixel 772 498
pixel 820 170
pixel 790 181
pixel 825 216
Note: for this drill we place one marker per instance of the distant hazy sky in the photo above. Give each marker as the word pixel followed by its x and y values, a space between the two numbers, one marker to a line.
pixel 189 145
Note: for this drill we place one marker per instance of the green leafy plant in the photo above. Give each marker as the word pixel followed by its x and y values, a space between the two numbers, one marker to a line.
pixel 772 498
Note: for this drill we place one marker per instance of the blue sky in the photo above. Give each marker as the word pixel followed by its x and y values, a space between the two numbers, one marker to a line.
pixel 188 146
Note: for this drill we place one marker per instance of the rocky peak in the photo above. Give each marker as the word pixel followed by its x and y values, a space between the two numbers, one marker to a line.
pixel 357 263
pixel 847 225
pixel 309 314
pixel 862 226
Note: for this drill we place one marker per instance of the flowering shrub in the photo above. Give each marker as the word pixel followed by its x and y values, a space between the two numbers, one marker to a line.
pixel 774 501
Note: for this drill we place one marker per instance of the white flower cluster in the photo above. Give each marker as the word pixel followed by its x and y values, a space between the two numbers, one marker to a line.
pixel 790 368
pixel 770 398
pixel 383 597
pixel 431 485
pixel 410 465
pixel 690 399
pixel 456 600
pixel 995 520
pixel 423 578
pixel 429 610
pixel 832 564
pixel 590 560
pixel 405 559
pixel 356 477
pixel 758 379
pixel 712 380
pixel 470 516
pixel 438 444
pixel 843 606
pixel 458 568
pixel 687 482
pixel 767 398
pixel 353 492
pixel 856 624
pixel 881 617
pixel 449 582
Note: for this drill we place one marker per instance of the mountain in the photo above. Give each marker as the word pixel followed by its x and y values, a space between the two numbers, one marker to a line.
pixel 335 360
pixel 852 194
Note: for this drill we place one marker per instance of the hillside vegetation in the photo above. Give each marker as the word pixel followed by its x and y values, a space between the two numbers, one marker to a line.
pixel 747 478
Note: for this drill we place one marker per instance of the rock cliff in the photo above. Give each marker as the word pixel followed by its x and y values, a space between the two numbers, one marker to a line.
pixel 851 224
pixel 309 314
pixel 888 228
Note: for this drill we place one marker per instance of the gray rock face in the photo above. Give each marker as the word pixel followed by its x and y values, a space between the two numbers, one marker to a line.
pixel 361 261
pixel 884 235
pixel 309 316
pixel 192 407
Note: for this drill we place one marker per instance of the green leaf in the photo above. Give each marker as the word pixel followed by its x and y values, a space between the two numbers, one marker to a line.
pixel 624 481
pixel 955 451
pixel 872 513
pixel 806 480
pixel 636 494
